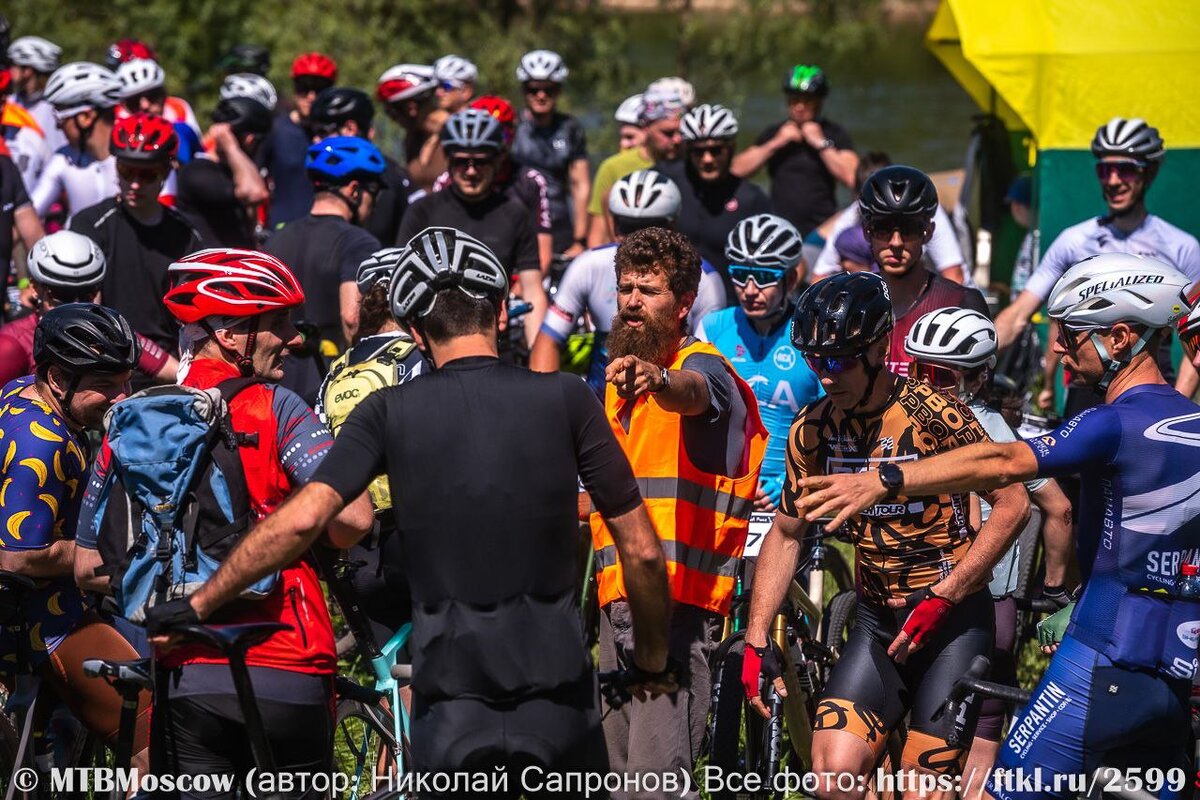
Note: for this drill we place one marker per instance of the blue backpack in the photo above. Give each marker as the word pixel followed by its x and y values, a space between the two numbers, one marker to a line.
pixel 174 502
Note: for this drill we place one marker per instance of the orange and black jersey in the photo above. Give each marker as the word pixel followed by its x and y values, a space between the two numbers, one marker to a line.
pixel 902 544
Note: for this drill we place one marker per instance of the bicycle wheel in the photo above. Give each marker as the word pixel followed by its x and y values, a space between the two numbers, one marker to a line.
pixel 839 619
pixel 1029 556
pixel 364 747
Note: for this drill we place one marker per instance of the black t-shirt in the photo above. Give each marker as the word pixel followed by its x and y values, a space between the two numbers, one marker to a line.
pixel 503 224
pixel 12 197
pixel 138 256
pixel 486 515
pixel 390 203
pixel 283 155
pixel 711 209
pixel 206 197
pixel 802 189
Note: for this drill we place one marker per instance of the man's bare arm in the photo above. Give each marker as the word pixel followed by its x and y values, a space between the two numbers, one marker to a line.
pixel 52 561
pixel 86 563
pixel 1010 513
pixel 546 355
pixel 1012 320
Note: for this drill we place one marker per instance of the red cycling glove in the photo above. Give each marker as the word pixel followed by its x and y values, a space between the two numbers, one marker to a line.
pixel 758 661
pixel 928 615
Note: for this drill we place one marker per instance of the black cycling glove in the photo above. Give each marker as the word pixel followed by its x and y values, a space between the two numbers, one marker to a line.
pixel 171 614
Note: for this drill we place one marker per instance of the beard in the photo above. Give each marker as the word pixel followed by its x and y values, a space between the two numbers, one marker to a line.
pixel 656 341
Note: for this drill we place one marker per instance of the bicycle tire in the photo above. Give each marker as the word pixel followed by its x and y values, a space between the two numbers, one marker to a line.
pixel 1029 555
pixel 839 619
pixel 362 739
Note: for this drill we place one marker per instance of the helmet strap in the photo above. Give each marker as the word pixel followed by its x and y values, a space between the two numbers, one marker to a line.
pixel 245 359
pixel 64 402
pixel 352 202
pixel 1111 365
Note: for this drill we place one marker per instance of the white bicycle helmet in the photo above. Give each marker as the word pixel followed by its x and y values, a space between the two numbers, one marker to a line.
pixel 456 69
pixel 958 338
pixel 708 122
pixel 34 51
pixel 443 258
pixel 66 259
pixel 542 65
pixel 247 84
pixel 677 86
pixel 140 75
pixel 630 110
pixel 82 85
pixel 764 240
pixel 1131 138
pixel 405 81
pixel 645 194
pixel 1105 289
pixel 377 267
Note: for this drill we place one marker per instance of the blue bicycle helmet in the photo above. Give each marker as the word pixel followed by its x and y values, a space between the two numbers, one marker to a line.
pixel 341 159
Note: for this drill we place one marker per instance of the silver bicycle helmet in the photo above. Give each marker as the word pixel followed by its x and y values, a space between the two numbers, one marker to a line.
pixel 764 240
pixel 443 258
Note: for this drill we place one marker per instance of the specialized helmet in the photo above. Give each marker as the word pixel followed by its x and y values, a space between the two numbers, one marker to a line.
pixel 959 338
pixel 842 315
pixel 316 64
pixel 708 122
pixel 404 82
pixel 1105 289
pixel 645 194
pixel 81 85
pixel 338 105
pixel 444 258
pixel 806 78
pixel 455 69
pixel 630 110
pixel 472 130
pixel 81 338
pixel 226 281
pixel 676 86
pixel 140 75
pixel 341 159
pixel 36 52
pixel 542 65
pixel 144 137
pixel 377 267
pixel 502 110
pixel 244 115
pixel 246 58
pixel 897 191
pixel 247 84
pixel 1131 138
pixel 66 260
pixel 764 240
pixel 127 50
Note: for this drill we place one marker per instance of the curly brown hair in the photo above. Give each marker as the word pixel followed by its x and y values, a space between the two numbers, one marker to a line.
pixel 375 310
pixel 661 250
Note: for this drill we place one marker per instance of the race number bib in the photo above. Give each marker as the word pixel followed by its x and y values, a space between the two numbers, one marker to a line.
pixel 760 523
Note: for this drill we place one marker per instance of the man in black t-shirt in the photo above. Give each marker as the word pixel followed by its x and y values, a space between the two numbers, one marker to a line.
pixel 138 235
pixel 486 515
pixel 714 200
pixel 325 248
pixel 15 209
pixel 806 155
pixel 219 196
pixel 474 205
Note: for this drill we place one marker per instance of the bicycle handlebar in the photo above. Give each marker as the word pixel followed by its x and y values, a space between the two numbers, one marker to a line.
pixel 1037 605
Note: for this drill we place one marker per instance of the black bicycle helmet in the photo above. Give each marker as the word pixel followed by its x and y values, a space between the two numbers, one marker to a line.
pixel 897 191
pixel 337 105
pixel 85 337
pixel 245 115
pixel 1131 138
pixel 842 315
pixel 246 58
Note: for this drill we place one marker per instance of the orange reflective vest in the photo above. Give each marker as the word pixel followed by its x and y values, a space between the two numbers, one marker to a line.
pixel 701 518
pixel 14 116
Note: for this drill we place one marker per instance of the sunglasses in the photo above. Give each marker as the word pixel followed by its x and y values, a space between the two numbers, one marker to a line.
pixel 132 172
pixel 1125 171
pixel 938 376
pixel 550 90
pixel 714 150
pixel 882 230
pixel 830 365
pixel 153 96
pixel 764 277
pixel 463 163
pixel 310 84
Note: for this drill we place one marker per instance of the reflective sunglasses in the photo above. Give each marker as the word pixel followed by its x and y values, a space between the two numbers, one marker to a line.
pixel 548 89
pixel 449 86
pixel 133 172
pixel 830 365
pixel 938 376
pixel 463 163
pixel 764 277
pixel 1125 171
pixel 881 230
pixel 714 150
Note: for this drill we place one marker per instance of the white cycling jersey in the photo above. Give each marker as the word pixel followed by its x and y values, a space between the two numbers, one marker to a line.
pixel 1155 237
pixel 942 250
pixel 30 153
pixel 82 178
pixel 43 112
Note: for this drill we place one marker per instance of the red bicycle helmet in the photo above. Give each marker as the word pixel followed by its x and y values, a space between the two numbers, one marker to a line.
pixel 144 137
pixel 127 50
pixel 502 110
pixel 226 281
pixel 318 64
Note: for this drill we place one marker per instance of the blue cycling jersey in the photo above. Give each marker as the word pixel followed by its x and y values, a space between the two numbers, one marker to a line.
pixel 775 370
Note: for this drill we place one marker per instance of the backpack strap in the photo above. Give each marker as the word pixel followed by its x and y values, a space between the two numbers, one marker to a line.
pixel 229 389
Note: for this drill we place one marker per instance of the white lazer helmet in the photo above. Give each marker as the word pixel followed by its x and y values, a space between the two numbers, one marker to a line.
pixel 959 338
pixel 542 65
pixel 247 84
pixel 456 69
pixel 764 240
pixel 81 85
pixel 708 122
pixel 443 258
pixel 34 51
pixel 630 111
pixel 645 194
pixel 140 75
pixel 66 260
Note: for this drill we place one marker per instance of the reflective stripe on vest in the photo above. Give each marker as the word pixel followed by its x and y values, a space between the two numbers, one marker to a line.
pixel 700 518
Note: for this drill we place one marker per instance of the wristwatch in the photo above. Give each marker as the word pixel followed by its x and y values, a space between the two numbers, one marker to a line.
pixel 665 377
pixel 892 478
pixel 825 144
